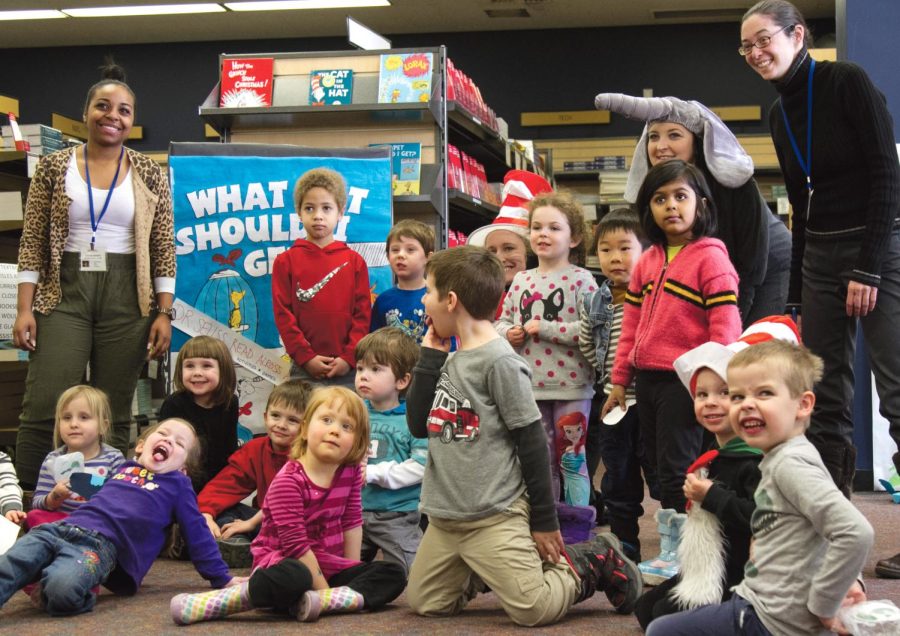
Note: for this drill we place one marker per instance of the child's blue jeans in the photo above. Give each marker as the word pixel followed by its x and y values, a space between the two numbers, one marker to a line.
pixel 734 616
pixel 67 560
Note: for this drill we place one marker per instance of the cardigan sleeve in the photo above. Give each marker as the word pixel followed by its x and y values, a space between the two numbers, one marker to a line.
pixel 162 232
pixel 719 289
pixel 34 245
pixel 623 366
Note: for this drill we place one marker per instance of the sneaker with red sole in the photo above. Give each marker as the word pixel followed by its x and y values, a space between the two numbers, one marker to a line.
pixel 602 565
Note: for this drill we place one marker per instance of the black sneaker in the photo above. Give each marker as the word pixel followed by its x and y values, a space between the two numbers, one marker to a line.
pixel 602 565
pixel 236 551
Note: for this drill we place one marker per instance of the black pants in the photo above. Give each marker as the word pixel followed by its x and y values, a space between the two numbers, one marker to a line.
pixel 624 459
pixel 670 433
pixel 282 585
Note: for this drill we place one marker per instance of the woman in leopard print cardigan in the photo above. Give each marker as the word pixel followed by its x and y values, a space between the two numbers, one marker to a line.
pixel 96 280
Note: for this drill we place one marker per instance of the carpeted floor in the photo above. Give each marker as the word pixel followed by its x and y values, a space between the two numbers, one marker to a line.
pixel 148 612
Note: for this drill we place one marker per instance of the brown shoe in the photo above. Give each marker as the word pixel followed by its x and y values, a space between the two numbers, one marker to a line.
pixel 888 568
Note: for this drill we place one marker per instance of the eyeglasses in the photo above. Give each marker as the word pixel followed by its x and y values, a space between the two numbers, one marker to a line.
pixel 762 42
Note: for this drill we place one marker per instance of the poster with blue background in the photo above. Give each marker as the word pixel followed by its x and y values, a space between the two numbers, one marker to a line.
pixel 234 213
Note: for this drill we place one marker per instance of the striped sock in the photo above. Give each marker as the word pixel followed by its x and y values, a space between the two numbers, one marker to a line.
pixel 207 606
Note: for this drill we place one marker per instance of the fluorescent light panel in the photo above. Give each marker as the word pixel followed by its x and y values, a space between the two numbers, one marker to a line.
pixel 31 15
pixel 288 5
pixel 150 9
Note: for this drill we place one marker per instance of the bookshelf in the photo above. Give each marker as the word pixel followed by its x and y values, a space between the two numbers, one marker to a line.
pixel 433 124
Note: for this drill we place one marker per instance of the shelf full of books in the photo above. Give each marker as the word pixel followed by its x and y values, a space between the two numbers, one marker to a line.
pixel 446 147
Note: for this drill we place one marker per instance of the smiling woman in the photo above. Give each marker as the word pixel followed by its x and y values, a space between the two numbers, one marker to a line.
pixel 96 271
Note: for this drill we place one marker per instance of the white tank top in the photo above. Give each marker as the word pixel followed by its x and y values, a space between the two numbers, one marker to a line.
pixel 116 231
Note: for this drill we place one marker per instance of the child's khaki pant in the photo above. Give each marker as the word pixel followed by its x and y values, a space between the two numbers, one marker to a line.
pixel 500 550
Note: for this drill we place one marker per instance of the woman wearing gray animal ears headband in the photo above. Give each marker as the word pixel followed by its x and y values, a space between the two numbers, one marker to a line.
pixel 758 243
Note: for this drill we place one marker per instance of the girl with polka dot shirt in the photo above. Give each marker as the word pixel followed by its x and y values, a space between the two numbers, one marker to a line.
pixel 540 315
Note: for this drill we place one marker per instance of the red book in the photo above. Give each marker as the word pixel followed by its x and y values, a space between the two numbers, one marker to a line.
pixel 246 83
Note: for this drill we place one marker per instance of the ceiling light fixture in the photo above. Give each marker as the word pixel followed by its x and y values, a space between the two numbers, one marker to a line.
pixel 290 5
pixel 31 15
pixel 142 10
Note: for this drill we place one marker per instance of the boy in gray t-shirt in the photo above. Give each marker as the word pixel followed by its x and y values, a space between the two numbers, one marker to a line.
pixel 809 542
pixel 486 491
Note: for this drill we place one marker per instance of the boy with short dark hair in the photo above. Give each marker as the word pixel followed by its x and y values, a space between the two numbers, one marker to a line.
pixel 252 468
pixel 487 493
pixel 409 245
pixel 396 462
pixel 320 287
pixel 809 542
pixel 618 243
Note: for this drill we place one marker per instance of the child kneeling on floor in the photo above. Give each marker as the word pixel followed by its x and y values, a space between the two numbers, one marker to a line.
pixel 113 538
pixel 306 556
pixel 487 489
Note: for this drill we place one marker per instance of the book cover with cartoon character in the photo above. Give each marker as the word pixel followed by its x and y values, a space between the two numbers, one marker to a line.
pixel 405 78
pixel 406 167
pixel 246 83
pixel 331 87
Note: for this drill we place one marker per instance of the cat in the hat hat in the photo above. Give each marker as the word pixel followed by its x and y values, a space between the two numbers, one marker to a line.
pixel 507 235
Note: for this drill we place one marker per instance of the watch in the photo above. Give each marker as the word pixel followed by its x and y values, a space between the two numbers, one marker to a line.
pixel 166 311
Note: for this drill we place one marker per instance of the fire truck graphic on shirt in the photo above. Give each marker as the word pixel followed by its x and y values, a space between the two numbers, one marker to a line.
pixel 451 418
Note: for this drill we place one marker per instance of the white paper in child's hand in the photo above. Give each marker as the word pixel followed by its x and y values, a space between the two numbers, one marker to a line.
pixel 67 464
pixel 617 413
pixel 9 532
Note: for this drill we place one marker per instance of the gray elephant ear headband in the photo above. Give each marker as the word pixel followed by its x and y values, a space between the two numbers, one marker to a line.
pixel 726 159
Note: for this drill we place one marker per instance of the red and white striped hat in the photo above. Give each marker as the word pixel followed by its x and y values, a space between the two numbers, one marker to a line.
pixel 715 356
pixel 519 187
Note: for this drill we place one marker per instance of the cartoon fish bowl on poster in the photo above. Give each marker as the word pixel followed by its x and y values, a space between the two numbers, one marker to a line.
pixel 228 299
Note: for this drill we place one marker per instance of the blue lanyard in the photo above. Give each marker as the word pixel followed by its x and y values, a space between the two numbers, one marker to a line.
pixel 806 166
pixel 87 177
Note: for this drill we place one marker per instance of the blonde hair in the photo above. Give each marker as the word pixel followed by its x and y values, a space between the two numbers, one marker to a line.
pixel 208 347
pixel 98 404
pixel 796 366
pixel 195 453
pixel 355 408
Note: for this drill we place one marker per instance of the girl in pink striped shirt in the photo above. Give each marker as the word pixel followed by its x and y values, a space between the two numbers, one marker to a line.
pixel 306 558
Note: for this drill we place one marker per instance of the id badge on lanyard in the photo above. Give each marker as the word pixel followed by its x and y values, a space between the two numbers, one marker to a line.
pixel 805 164
pixel 93 259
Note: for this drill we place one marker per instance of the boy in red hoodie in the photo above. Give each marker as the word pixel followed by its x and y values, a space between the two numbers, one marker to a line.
pixel 320 287
pixel 252 468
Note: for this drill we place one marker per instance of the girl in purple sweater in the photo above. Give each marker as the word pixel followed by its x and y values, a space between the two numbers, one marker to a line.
pixel 306 558
pixel 113 538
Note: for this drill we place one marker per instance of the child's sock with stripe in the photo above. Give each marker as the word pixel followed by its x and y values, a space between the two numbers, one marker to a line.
pixel 327 601
pixel 207 606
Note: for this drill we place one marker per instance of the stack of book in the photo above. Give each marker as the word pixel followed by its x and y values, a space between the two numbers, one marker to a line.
pixel 41 139
pixel 462 90
pixel 597 163
pixel 468 175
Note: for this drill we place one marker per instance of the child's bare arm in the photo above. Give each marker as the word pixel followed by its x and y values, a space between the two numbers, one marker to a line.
pixel 242 526
pixel 319 582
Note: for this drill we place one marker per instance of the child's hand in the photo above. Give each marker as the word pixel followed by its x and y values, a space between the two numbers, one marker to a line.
pixel 433 341
pixel 854 595
pixel 16 516
pixel 58 495
pixel 317 366
pixel 549 545
pixel 238 526
pixel 237 580
pixel 532 327
pixel 339 367
pixel 212 525
pixel 696 488
pixel 516 336
pixel 616 398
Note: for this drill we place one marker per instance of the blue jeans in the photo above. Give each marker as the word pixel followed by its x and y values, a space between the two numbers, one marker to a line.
pixel 67 560
pixel 735 616
pixel 239 512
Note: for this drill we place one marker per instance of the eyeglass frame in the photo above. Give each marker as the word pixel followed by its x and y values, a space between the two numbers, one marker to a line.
pixel 744 51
